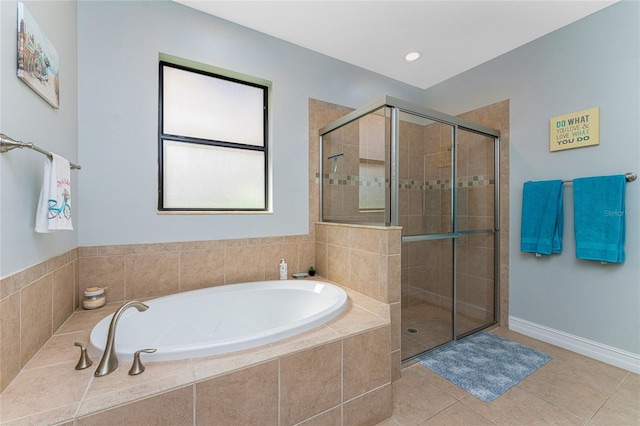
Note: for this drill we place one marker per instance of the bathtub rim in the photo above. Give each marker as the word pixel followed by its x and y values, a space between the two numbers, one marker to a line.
pixel 125 352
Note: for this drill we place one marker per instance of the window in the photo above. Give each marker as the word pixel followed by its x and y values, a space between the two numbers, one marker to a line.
pixel 213 150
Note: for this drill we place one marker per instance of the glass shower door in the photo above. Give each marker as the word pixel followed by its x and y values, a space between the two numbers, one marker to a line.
pixel 475 293
pixel 425 214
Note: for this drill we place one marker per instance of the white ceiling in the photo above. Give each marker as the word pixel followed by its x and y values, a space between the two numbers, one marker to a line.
pixel 453 35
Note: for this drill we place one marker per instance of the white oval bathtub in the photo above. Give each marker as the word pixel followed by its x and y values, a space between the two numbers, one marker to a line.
pixel 221 319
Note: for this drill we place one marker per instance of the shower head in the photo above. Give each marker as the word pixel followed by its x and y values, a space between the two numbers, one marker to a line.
pixel 334 160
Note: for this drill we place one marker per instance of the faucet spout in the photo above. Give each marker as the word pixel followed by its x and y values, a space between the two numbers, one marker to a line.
pixel 109 361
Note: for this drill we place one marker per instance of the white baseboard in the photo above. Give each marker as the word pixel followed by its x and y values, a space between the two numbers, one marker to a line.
pixel 607 354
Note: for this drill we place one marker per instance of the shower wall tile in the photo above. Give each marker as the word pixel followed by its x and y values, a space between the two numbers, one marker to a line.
pixel 416 167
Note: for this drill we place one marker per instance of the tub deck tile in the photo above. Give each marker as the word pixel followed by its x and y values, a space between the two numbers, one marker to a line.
pixel 50 390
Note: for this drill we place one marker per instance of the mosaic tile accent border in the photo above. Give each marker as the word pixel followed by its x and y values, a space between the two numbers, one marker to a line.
pixel 463 182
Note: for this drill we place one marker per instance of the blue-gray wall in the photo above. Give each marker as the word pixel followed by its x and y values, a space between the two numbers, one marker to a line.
pixel 26 116
pixel 118 47
pixel 591 63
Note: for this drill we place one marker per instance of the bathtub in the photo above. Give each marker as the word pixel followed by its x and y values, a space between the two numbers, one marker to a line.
pixel 221 319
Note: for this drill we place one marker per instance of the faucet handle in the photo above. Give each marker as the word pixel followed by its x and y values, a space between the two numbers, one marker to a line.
pixel 84 361
pixel 137 367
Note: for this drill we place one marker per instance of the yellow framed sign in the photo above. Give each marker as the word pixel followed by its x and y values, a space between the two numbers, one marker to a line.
pixel 575 130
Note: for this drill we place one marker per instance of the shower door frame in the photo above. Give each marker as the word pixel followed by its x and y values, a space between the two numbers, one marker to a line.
pixel 392 218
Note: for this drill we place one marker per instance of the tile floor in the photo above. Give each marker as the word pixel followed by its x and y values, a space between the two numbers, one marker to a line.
pixel 569 390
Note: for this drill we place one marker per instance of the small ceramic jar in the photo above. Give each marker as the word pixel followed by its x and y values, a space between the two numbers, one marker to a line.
pixel 94 298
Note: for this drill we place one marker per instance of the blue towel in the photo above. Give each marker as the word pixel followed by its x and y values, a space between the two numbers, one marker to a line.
pixel 542 217
pixel 599 218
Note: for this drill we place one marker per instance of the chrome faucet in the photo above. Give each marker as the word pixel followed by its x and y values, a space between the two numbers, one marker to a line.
pixel 109 361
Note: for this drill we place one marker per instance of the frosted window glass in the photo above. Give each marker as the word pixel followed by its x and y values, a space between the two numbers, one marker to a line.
pixel 205 107
pixel 208 177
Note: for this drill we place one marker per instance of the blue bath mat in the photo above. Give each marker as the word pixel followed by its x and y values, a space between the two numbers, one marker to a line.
pixel 485 365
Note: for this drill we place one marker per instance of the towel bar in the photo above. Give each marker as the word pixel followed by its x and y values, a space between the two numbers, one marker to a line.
pixel 7 144
pixel 630 176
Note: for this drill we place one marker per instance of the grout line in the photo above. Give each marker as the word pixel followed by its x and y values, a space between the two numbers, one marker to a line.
pixel 195 402
pixel 279 389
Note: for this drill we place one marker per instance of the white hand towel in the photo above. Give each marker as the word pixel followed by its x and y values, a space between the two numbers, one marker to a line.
pixel 54 205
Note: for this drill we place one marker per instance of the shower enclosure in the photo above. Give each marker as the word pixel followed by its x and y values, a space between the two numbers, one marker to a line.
pixel 391 163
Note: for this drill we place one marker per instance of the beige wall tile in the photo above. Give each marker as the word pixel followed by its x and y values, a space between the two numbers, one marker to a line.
pixel 102 271
pixel 310 382
pixel 150 275
pixel 338 264
pixel 7 287
pixel 321 262
pixel 332 417
pixel 365 273
pixel 392 284
pixel 244 264
pixel 248 396
pixel 171 408
pixel 306 255
pixel 369 409
pixel 321 232
pixel 10 339
pixel 64 283
pixel 368 240
pixel 339 235
pixel 367 362
pixel 272 255
pixel 396 323
pixel 394 241
pixel 396 365
pixel 35 317
pixel 201 268
pixel 29 275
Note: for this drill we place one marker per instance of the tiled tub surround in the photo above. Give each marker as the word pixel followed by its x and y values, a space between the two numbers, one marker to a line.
pixel 339 373
pixel 365 259
pixel 34 303
pixel 153 270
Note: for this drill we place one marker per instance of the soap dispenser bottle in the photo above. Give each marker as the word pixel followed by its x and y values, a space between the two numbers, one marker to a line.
pixel 283 269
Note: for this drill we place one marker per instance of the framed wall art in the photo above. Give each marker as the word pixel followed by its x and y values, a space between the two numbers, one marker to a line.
pixel 38 63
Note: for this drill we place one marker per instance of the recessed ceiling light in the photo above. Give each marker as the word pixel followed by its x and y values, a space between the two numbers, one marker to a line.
pixel 412 56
